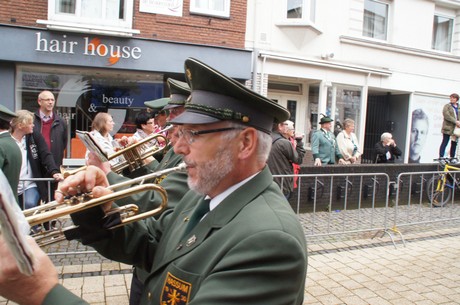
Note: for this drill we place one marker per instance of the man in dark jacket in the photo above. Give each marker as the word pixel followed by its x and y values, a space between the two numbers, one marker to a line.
pixel 52 127
pixel 282 157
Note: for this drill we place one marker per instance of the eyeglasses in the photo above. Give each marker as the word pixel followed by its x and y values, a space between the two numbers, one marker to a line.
pixel 47 99
pixel 189 135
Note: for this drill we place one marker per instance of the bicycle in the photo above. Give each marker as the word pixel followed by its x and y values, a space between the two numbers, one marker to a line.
pixel 440 188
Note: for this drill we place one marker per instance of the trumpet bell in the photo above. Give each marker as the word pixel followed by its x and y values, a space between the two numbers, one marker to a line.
pixel 127 213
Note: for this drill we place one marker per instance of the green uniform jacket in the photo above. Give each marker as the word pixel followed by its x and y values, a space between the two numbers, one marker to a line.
pixel 10 160
pixel 325 147
pixel 175 185
pixel 250 249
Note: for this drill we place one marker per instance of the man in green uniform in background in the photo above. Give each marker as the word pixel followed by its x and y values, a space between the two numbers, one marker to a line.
pixel 10 154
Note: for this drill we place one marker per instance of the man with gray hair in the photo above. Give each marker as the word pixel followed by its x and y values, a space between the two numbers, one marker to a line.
pixel 386 150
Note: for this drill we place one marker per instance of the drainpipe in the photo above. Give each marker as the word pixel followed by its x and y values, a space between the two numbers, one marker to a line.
pixel 255 56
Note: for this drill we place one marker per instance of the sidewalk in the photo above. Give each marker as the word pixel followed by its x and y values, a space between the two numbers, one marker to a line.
pixel 425 271
pixel 365 271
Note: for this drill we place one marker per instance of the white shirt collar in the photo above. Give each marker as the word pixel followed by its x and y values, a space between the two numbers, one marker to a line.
pixel 219 198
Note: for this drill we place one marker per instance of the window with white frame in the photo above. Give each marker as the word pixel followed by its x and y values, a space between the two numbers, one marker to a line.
pixel 442 33
pixel 97 16
pixel 300 10
pixel 375 21
pixel 218 8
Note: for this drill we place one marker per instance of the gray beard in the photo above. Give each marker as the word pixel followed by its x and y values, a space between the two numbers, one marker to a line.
pixel 212 172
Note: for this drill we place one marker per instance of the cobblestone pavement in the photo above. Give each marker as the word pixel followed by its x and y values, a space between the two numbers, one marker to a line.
pixel 360 268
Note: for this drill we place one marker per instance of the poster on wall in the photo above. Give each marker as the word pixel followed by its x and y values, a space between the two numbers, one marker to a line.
pixel 425 128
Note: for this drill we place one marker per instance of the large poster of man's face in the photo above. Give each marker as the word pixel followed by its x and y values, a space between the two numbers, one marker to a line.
pixel 425 128
pixel 418 135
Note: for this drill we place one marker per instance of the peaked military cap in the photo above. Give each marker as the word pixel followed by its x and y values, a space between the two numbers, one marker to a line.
pixel 6 114
pixel 325 119
pixel 216 97
pixel 180 91
pixel 157 104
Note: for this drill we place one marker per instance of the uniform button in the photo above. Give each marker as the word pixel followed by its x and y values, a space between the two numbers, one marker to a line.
pixel 149 296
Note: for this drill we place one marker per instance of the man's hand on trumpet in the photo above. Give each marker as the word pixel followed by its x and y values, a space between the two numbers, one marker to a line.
pixel 23 289
pixel 93 179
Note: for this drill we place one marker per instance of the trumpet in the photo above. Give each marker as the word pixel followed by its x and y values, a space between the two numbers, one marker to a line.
pixel 132 157
pixel 128 213
pixel 135 154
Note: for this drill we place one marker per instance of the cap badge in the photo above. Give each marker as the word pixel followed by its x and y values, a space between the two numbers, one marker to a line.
pixel 245 119
pixel 189 74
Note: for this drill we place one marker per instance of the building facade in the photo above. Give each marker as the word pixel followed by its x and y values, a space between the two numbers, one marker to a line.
pixel 113 55
pixel 378 62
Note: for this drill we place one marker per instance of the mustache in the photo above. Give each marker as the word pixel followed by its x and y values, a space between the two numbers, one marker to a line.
pixel 188 162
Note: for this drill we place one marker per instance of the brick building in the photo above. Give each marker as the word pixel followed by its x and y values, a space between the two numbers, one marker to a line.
pixel 113 55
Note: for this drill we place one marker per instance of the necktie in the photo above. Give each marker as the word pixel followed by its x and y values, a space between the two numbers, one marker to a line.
pixel 201 209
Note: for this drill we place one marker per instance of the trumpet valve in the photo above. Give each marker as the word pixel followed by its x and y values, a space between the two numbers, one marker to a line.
pixel 79 198
pixel 125 211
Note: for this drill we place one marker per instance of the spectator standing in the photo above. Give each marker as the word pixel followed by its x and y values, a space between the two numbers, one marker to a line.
pixel 348 142
pixel 418 135
pixel 36 159
pixel 291 135
pixel 10 154
pixel 450 121
pixel 323 145
pixel 283 155
pixel 386 149
pixel 52 127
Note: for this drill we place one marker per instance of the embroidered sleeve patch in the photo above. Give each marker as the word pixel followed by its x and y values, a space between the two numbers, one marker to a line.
pixel 175 291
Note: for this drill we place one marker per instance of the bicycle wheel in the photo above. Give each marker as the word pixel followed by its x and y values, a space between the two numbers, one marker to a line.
pixel 438 198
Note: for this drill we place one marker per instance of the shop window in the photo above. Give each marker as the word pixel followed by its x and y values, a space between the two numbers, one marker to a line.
pixel 110 17
pixel 81 94
pixel 218 8
pixel 344 102
pixel 442 33
pixel 292 107
pixel 375 21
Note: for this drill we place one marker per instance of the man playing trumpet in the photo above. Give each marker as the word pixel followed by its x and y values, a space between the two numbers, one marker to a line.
pixel 233 239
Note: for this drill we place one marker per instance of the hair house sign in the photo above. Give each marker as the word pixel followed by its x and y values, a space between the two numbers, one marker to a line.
pixel 91 47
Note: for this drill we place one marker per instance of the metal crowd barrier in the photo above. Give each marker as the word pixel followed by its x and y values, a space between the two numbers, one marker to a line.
pixel 346 203
pixel 414 200
pixel 330 204
pixel 49 182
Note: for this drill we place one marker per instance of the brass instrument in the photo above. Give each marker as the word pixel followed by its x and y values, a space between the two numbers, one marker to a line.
pixel 53 210
pixel 132 156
